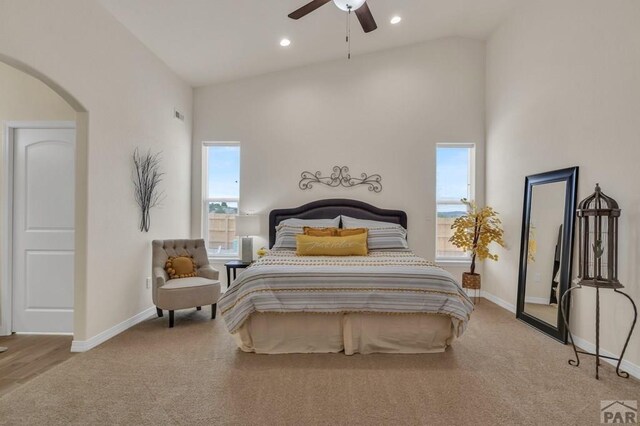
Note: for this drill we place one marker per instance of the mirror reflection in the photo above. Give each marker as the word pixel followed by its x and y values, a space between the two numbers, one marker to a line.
pixel 544 251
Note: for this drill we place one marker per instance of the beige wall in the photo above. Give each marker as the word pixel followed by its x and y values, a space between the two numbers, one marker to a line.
pixel 129 95
pixel 563 89
pixel 25 98
pixel 379 113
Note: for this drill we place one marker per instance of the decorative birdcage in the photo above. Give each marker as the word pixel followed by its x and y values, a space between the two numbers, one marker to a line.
pixel 598 241
pixel 598 266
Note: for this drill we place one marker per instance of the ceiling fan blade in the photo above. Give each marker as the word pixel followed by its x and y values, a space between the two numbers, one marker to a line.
pixel 307 8
pixel 366 18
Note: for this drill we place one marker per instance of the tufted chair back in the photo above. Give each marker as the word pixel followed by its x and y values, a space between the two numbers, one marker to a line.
pixel 163 249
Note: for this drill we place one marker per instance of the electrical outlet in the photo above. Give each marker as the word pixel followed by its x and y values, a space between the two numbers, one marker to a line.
pixel 148 282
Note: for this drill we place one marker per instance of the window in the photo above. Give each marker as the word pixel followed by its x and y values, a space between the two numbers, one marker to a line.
pixel 454 181
pixel 221 198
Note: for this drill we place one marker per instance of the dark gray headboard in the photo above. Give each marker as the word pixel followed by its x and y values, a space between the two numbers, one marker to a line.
pixel 328 209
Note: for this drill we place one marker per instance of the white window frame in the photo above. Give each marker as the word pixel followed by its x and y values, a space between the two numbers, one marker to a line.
pixel 471 189
pixel 206 200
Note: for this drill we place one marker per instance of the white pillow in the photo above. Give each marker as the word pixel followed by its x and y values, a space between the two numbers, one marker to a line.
pixel 352 222
pixel 314 223
pixel 382 235
pixel 287 230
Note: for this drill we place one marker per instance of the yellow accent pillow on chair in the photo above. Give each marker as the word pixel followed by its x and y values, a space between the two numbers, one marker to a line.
pixel 352 245
pixel 180 267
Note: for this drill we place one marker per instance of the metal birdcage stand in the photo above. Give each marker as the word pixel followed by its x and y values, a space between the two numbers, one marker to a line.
pixel 598 265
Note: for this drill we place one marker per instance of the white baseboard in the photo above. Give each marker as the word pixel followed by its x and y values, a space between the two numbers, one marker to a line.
pixel 500 302
pixel 629 367
pixel 85 345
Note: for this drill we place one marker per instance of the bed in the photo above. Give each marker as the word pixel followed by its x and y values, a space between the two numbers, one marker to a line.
pixel 390 301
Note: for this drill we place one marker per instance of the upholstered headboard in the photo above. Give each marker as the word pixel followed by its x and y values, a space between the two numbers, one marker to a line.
pixel 328 209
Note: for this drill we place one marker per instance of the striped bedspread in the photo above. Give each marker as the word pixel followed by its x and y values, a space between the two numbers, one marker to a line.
pixel 383 282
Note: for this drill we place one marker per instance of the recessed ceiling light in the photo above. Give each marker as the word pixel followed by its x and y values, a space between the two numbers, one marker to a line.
pixel 395 20
pixel 285 42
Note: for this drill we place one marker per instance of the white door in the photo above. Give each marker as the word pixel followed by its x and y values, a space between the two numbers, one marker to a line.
pixel 43 230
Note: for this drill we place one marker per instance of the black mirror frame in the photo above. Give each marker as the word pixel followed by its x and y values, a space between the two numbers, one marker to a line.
pixel 570 176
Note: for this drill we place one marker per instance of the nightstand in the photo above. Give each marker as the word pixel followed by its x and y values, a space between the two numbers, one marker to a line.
pixel 234 265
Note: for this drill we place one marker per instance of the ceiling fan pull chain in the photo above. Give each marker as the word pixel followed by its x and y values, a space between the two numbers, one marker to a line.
pixel 346 39
pixel 349 33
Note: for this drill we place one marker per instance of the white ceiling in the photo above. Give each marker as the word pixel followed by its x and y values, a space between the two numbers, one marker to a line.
pixel 209 41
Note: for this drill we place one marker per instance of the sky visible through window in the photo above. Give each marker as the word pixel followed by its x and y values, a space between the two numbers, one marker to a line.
pixel 224 171
pixel 452 169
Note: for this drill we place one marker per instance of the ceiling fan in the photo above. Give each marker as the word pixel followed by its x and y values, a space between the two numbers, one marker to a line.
pixel 360 8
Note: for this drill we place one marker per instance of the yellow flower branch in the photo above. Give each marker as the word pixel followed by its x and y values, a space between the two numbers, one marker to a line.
pixel 476 230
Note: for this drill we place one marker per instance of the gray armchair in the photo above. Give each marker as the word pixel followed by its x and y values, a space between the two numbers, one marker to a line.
pixel 183 293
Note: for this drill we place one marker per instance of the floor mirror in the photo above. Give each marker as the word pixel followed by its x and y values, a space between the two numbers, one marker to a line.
pixel 546 249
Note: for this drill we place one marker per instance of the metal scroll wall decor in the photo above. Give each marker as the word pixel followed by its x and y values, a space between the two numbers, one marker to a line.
pixel 340 177
pixel 146 180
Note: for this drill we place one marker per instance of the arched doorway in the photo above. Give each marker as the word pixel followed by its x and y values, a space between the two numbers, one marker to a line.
pixel 42 237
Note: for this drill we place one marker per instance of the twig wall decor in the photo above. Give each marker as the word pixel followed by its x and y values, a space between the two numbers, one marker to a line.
pixel 146 179
pixel 340 177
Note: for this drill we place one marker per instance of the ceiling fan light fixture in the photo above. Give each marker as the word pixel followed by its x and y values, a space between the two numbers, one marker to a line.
pixel 345 5
pixel 395 20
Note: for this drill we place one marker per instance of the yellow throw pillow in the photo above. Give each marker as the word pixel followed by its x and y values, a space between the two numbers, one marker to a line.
pixel 320 232
pixel 181 267
pixel 352 245
pixel 351 231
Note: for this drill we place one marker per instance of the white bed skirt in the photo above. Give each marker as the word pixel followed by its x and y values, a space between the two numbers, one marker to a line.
pixel 365 333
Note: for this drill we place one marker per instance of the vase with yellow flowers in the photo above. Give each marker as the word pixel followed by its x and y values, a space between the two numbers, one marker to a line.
pixel 474 232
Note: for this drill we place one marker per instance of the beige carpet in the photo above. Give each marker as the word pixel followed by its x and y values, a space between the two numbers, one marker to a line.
pixel 500 372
